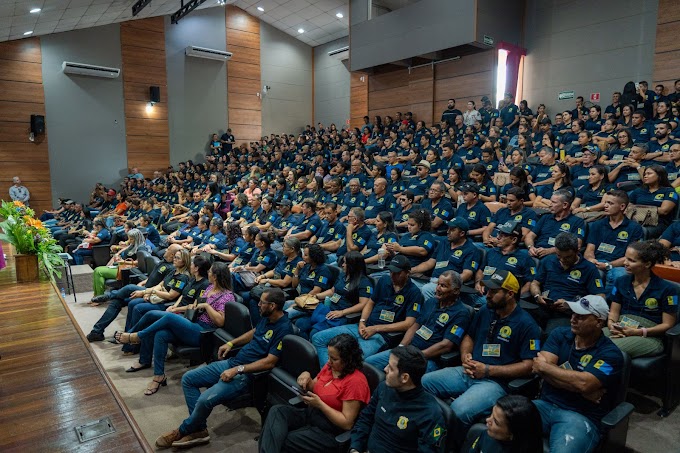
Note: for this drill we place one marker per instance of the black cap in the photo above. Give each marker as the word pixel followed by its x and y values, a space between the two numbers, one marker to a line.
pixel 546 120
pixel 485 99
pixel 399 263
pixel 285 203
pixel 510 227
pixel 470 187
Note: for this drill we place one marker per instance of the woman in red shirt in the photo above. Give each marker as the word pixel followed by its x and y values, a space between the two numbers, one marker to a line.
pixel 334 399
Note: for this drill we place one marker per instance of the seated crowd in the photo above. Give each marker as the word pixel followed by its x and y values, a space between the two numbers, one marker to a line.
pixel 526 246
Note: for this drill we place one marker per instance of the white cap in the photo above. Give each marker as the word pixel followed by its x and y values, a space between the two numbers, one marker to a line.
pixel 590 305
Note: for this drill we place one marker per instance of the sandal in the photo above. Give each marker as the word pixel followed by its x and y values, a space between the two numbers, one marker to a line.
pixel 155 385
pixel 126 338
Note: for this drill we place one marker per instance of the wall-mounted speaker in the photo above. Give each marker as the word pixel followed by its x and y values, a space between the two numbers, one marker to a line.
pixel 155 94
pixel 38 124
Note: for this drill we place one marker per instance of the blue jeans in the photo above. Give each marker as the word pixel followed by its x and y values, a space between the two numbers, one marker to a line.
pixel 474 397
pixel 369 347
pixel 136 309
pixel 119 299
pixel 566 428
pixel 168 328
pixel 611 277
pixel 200 405
pixel 381 359
pixel 80 254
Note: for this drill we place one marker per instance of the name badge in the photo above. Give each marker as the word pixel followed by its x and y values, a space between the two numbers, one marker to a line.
pixel 335 298
pixel 629 322
pixel 238 261
pixel 551 241
pixel 566 366
pixel 633 176
pixel 488 270
pixel 606 248
pixel 424 333
pixel 387 316
pixel 441 264
pixel 491 350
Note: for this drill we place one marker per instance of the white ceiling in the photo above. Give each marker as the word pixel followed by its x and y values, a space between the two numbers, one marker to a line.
pixel 316 17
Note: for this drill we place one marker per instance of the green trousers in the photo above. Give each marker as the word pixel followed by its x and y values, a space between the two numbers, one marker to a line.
pixel 638 346
pixel 101 274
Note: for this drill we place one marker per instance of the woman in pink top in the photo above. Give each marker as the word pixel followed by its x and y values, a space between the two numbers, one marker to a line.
pixel 334 399
pixel 175 328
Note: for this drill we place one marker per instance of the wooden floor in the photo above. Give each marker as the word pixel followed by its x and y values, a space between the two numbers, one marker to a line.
pixel 50 381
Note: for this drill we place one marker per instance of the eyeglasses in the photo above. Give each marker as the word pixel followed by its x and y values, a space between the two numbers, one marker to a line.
pixel 263 302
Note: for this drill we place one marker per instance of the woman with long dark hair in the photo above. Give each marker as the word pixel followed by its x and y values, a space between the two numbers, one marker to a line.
pixel 657 191
pixel 385 233
pixel 173 328
pixel 333 401
pixel 418 244
pixel 520 178
pixel 487 189
pixel 643 305
pixel 561 176
pixel 514 426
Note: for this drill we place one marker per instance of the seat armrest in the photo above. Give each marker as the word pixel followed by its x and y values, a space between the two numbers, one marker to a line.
pixel 617 415
pixel 393 338
pixel 353 318
pixel 673 332
pixel 343 438
pixel 449 358
pixel 525 386
pixel 296 401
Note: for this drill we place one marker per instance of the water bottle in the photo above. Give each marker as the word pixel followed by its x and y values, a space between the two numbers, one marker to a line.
pixel 381 258
pixel 63 293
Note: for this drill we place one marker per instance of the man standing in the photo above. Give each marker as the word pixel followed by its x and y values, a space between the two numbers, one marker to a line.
pixel 401 416
pixel 580 368
pixel 449 115
pixel 228 141
pixel 17 192
pixel 499 347
pixel 229 379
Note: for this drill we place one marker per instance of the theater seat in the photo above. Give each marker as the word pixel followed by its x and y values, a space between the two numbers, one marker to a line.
pixel 297 355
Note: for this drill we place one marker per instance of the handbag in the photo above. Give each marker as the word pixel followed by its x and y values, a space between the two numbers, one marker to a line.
pixel 307 302
pixel 642 214
pixel 591 216
pixel 154 299
pixel 191 314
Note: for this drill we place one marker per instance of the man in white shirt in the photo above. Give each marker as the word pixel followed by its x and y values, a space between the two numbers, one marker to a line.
pixel 18 192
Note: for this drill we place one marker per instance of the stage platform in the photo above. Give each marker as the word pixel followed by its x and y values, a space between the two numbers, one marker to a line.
pixel 50 380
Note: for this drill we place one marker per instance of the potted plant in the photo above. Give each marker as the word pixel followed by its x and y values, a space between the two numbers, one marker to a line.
pixel 34 244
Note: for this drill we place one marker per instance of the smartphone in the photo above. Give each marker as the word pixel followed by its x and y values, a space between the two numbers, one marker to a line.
pixel 298 390
pixel 548 300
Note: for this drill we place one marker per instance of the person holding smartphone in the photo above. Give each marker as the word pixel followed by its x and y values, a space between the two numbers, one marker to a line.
pixel 333 400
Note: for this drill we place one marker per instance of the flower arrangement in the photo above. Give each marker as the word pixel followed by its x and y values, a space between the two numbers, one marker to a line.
pixel 29 236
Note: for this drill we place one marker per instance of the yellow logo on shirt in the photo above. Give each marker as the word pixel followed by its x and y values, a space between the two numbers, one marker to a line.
pixel 565 227
pixel 505 332
pixel 269 335
pixel 399 299
pixel 402 423
pixel 458 253
pixel 575 274
pixel 585 360
pixel 659 196
pixel 652 303
pixel 512 260
pixel 443 318
pixel 278 348
pixel 623 235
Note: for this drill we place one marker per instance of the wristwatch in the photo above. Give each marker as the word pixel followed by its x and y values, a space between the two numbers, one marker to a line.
pixel 240 369
pixel 608 266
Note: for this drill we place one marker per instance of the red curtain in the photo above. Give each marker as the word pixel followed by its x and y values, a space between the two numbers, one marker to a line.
pixel 515 54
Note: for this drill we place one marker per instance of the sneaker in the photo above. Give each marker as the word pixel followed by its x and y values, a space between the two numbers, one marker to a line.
pixel 95 336
pixel 198 438
pixel 166 440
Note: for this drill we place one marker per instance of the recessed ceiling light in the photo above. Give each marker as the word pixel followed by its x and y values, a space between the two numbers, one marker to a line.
pixel 301 30
pixel 35 10
pixel 260 9
pixel 339 15
pixel 26 33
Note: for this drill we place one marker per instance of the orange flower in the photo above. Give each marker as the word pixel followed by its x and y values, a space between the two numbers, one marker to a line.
pixel 30 221
pixel 19 204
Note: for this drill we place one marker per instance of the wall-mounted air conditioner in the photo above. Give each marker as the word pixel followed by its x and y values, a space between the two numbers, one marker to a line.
pixel 341 54
pixel 211 54
pixel 89 70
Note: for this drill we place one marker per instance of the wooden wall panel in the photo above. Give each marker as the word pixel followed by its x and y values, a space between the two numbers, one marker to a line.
pixel 22 94
pixel 402 91
pixel 243 75
pixel 147 134
pixel 358 107
pixel 667 51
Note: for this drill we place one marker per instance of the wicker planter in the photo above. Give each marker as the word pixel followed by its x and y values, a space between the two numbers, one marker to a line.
pixel 26 268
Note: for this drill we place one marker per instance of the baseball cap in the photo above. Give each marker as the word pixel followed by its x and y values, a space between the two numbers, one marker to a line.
pixel 590 305
pixel 458 222
pixel 470 187
pixel 588 149
pixel 485 99
pixel 399 263
pixel 112 192
pixel 423 163
pixel 501 279
pixel 546 120
pixel 285 203
pixel 510 227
